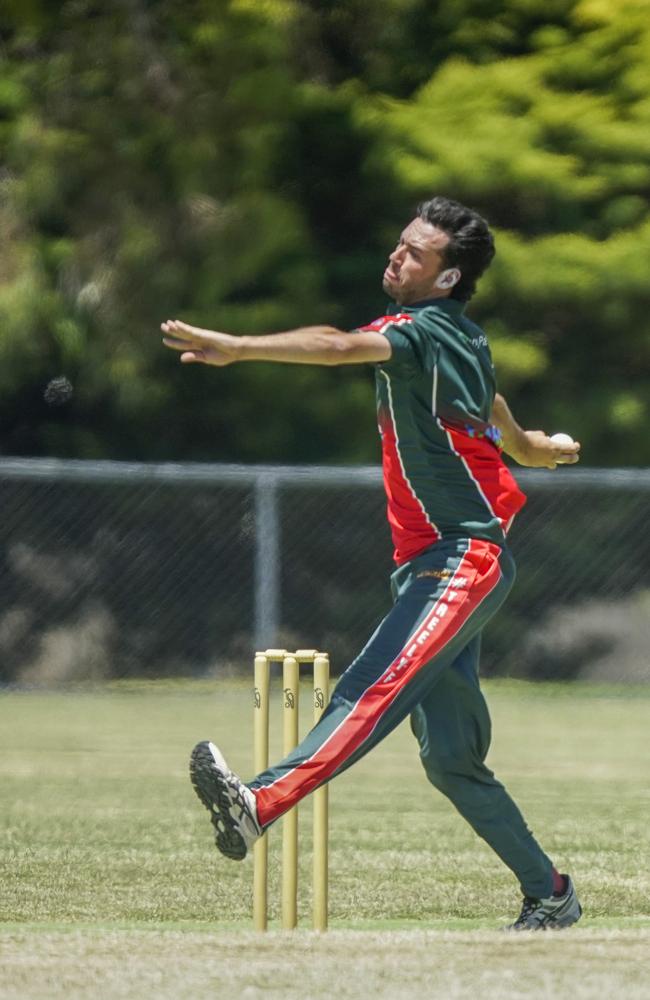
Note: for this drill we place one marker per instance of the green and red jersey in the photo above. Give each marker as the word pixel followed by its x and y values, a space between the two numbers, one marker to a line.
pixel 443 472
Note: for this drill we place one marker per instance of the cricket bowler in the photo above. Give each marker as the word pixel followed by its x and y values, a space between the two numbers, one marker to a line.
pixel 450 502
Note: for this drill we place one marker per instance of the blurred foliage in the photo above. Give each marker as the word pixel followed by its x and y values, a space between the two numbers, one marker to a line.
pixel 246 164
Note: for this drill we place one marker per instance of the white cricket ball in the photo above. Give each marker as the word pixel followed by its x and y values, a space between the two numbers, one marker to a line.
pixel 562 440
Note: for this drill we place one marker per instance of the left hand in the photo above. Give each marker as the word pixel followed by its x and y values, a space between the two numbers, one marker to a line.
pixel 536 450
pixel 208 347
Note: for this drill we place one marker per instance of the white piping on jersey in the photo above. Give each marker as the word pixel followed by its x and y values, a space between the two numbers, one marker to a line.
pixel 393 321
pixel 434 410
pixel 399 455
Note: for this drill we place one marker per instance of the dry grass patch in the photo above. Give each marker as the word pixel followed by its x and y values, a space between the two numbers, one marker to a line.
pixel 130 965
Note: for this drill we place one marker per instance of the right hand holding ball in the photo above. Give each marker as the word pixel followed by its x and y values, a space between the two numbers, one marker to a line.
pixel 568 449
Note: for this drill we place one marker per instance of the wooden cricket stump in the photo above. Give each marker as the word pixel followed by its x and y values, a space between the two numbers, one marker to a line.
pixel 291 663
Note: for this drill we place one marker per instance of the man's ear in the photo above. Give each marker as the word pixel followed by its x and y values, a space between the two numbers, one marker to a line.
pixel 448 278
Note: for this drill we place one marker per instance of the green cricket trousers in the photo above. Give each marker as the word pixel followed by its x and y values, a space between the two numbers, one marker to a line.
pixel 422 661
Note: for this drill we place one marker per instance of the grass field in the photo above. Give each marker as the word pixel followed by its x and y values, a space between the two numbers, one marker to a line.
pixel 111 886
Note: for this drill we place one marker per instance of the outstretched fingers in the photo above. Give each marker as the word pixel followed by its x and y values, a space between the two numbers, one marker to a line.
pixel 182 329
pixel 210 347
pixel 179 336
pixel 176 332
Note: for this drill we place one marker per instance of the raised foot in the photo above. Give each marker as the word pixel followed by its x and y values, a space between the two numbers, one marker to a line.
pixel 229 801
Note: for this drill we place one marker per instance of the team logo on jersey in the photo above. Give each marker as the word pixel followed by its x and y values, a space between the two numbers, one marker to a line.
pixel 381 324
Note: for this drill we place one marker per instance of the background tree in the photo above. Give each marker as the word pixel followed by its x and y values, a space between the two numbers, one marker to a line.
pixel 555 148
pixel 247 165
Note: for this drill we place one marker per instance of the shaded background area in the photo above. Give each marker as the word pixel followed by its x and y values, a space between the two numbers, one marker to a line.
pixel 146 571
pixel 248 166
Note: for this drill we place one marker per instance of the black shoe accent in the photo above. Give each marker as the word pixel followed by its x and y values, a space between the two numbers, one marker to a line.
pixel 210 786
pixel 554 913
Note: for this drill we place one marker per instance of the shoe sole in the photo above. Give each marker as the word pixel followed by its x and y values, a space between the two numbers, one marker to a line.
pixel 212 789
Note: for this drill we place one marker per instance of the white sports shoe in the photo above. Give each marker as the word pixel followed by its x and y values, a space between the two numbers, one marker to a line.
pixel 230 802
pixel 551 913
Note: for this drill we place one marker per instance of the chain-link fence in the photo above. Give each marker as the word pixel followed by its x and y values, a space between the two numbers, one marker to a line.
pixel 115 570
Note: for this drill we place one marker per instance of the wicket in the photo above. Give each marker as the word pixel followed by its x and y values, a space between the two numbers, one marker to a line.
pixel 290 684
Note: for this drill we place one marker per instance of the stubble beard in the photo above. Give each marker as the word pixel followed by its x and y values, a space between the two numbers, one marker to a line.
pixel 392 291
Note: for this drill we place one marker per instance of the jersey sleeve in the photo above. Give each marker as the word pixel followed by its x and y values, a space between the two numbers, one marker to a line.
pixel 413 345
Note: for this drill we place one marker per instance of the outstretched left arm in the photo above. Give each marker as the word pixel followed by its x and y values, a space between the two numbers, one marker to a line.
pixel 310 345
pixel 532 448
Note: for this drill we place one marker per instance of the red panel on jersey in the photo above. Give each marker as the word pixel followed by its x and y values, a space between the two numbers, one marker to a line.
pixel 496 482
pixel 411 529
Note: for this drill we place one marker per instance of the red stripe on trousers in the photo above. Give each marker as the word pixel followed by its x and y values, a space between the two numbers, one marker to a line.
pixel 440 626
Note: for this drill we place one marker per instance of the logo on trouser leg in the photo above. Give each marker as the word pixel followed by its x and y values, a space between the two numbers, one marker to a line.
pixel 443 574
pixel 437 574
pixel 422 637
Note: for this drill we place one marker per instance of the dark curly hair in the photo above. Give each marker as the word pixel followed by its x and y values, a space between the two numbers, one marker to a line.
pixel 471 244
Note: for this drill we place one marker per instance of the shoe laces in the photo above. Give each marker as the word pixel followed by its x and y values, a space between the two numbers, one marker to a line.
pixel 529 906
pixel 239 800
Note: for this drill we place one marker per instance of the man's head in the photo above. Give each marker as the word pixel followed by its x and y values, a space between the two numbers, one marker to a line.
pixel 441 254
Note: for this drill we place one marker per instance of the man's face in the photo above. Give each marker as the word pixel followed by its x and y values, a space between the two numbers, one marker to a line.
pixel 415 264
